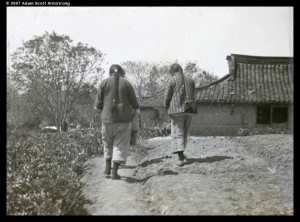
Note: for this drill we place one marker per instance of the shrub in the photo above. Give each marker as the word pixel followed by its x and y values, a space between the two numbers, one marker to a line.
pixel 44 171
pixel 162 129
pixel 280 129
pixel 243 132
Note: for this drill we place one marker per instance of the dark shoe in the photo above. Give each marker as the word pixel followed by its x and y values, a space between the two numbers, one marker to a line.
pixel 180 155
pixel 107 170
pixel 181 159
pixel 115 175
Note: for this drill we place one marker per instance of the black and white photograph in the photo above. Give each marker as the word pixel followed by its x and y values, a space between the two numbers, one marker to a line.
pixel 149 110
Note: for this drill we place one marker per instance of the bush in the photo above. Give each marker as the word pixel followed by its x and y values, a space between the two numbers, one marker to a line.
pixel 162 129
pixel 44 171
pixel 247 132
pixel 242 132
pixel 281 129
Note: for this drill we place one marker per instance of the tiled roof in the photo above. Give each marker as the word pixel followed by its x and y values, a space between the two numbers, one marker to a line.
pixel 156 100
pixel 252 79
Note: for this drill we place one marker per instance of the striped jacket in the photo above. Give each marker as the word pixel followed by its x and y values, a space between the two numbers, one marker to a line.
pixel 176 95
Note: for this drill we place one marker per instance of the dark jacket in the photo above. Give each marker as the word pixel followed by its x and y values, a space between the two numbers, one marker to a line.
pixel 127 100
pixel 176 95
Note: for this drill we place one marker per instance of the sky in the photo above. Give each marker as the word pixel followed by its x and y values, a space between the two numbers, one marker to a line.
pixel 162 34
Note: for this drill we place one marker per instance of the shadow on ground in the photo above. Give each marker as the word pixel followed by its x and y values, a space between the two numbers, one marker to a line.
pixel 144 180
pixel 149 162
pixel 134 180
pixel 206 159
pixel 127 167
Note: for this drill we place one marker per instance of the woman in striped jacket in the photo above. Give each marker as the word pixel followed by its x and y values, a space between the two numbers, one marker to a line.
pixel 179 99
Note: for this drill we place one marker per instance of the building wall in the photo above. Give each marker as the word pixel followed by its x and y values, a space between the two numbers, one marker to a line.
pixel 227 120
pixel 220 120
pixel 152 116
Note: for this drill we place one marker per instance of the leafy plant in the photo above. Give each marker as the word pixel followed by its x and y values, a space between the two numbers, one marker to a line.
pixel 44 171
pixel 243 132
pixel 162 129
pixel 52 74
pixel 281 129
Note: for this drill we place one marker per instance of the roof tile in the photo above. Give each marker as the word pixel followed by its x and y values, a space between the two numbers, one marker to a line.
pixel 254 80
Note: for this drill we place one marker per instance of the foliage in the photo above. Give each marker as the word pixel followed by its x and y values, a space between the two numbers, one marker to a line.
pixel 83 112
pixel 161 129
pixel 52 74
pixel 280 129
pixel 243 132
pixel 44 171
pixel 138 74
pixel 149 78
pixel 202 77
pixel 19 110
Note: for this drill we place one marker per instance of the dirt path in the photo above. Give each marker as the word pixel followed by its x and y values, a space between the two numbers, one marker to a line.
pixel 113 197
pixel 222 176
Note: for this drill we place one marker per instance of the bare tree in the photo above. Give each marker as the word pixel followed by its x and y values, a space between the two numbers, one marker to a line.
pixel 51 72
pixel 147 79
pixel 201 76
pixel 139 75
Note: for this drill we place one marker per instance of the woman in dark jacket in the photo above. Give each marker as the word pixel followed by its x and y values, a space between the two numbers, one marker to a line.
pixel 116 99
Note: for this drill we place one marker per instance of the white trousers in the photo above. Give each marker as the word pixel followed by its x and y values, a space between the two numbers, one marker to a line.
pixel 180 125
pixel 116 139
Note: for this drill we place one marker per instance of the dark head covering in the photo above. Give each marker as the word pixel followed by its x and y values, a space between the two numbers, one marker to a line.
pixel 114 69
pixel 175 68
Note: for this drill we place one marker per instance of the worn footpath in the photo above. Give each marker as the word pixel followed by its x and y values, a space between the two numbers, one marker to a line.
pixel 250 175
